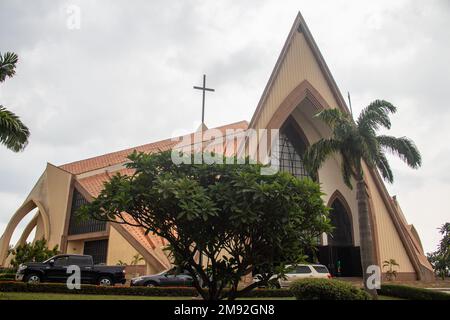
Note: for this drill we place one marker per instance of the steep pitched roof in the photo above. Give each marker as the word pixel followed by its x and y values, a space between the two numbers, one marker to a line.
pixel 118 157
pixel 299 26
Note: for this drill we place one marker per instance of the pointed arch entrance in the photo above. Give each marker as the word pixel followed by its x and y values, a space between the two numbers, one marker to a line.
pixel 340 254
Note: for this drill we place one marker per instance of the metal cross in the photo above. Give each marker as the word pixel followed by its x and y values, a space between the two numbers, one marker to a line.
pixel 204 88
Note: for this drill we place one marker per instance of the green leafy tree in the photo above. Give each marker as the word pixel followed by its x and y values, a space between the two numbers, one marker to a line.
pixel 32 252
pixel 236 219
pixel 357 142
pixel 13 133
pixel 440 259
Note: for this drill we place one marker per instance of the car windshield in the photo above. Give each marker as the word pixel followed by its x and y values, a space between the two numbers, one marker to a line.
pixel 48 260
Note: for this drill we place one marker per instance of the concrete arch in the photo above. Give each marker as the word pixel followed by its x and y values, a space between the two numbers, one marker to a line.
pixel 303 91
pixel 25 209
pixel 27 231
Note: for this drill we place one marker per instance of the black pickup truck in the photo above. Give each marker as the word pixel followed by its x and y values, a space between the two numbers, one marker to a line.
pixel 55 270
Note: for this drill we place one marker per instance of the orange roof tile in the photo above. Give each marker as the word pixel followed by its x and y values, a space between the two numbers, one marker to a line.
pixel 94 184
pixel 118 157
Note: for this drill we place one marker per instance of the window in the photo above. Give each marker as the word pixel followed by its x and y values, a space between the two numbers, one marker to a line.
pixel 321 269
pixel 292 148
pixel 61 261
pixel 77 226
pixel 300 269
pixel 80 261
pixel 303 269
pixel 97 249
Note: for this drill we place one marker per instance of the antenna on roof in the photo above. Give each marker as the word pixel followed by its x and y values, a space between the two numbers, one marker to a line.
pixel 350 103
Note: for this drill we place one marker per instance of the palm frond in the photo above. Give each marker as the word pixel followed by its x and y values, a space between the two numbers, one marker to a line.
pixel 376 114
pixel 402 147
pixel 369 146
pixel 332 117
pixel 316 154
pixel 13 133
pixel 347 174
pixel 8 65
pixel 384 167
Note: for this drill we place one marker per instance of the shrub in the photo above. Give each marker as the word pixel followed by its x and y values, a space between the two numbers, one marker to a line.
pixel 411 293
pixel 7 277
pixel 36 252
pixel 326 289
pixel 92 289
pixel 132 291
pixel 7 271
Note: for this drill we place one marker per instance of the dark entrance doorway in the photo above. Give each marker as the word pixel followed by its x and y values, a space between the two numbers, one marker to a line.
pixel 340 255
pixel 341 261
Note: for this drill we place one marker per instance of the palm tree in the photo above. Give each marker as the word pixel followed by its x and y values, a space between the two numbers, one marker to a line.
pixel 391 274
pixel 135 261
pixel 13 133
pixel 357 142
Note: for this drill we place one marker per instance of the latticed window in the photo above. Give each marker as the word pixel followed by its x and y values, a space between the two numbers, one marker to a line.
pixel 98 249
pixel 78 226
pixel 292 148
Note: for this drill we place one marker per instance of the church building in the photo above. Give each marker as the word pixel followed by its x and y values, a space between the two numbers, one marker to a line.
pixel 300 86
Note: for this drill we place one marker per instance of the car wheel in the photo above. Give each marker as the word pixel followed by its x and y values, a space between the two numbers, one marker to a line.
pixel 151 284
pixel 33 278
pixel 105 281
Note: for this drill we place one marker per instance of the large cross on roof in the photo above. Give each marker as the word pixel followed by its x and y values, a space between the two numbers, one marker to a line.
pixel 203 88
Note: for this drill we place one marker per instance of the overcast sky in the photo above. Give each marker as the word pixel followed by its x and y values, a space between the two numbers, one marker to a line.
pixel 125 78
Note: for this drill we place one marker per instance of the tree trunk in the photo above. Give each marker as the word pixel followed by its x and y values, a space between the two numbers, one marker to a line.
pixel 365 234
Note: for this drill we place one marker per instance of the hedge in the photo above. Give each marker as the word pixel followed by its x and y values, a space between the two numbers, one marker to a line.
pixel 12 286
pixel 7 271
pixel 326 289
pixel 7 276
pixel 411 293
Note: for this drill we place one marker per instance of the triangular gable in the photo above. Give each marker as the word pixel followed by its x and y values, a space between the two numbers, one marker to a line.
pixel 300 60
pixel 301 72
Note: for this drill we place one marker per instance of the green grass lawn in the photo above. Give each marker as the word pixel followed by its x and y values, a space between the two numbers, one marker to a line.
pixel 59 296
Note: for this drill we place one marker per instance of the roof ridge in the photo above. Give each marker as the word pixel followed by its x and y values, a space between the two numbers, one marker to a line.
pixel 118 153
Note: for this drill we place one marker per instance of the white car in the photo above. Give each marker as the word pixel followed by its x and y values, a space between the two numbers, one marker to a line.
pixel 302 271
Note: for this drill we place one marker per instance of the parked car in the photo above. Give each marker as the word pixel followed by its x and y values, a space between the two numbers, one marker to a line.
pixel 55 270
pixel 167 278
pixel 301 271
